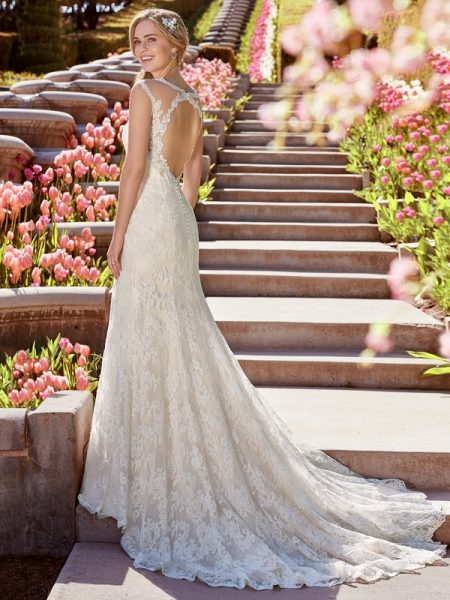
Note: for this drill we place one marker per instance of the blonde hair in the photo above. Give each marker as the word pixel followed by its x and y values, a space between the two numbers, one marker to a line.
pixel 178 38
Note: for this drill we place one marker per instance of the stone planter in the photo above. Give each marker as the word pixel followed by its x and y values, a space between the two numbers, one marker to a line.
pixel 28 314
pixel 113 91
pixel 220 113
pixel 217 127
pixel 15 154
pixel 38 128
pixel 83 107
pixel 41 465
pixel 211 146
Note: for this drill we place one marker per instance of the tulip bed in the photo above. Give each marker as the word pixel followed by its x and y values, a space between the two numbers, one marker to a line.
pixel 31 254
pixel 408 159
pixel 29 376
pixel 257 54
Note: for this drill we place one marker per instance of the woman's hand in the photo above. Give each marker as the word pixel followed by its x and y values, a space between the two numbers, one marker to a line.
pixel 113 254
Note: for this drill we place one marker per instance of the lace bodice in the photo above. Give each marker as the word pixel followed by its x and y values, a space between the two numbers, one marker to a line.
pixel 176 122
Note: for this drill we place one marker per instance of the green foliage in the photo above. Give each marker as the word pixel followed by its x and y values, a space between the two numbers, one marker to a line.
pixel 8 43
pixel 39 27
pixel 290 12
pixel 442 367
pixel 206 189
pixel 9 78
pixel 205 18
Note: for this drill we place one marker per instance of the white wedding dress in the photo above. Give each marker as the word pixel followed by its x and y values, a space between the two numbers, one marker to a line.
pixel 203 477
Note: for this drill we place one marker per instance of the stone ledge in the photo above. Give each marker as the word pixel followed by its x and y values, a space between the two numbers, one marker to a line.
pixel 13 437
pixel 28 314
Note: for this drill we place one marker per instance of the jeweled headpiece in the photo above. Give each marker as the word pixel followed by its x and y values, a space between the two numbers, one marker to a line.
pixel 170 23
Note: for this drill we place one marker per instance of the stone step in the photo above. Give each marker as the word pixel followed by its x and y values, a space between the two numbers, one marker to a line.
pixel 258 148
pixel 238 194
pixel 103 571
pixel 249 124
pixel 232 194
pixel 255 102
pixel 313 212
pixel 292 255
pixel 350 257
pixel 377 433
pixel 338 369
pixel 289 181
pixel 245 230
pixel 318 324
pixel 264 97
pixel 261 138
pixel 245 113
pixel 287 157
pixel 277 169
pixel 262 282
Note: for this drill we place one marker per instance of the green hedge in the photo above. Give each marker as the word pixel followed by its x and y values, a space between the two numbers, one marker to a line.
pixel 8 45
pixel 204 17
pixel 290 12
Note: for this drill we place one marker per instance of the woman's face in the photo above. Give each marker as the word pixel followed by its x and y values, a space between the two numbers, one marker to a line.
pixel 151 47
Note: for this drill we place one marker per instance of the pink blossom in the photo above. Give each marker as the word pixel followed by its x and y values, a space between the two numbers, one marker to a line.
pixel 403 278
pixel 378 341
pixel 444 344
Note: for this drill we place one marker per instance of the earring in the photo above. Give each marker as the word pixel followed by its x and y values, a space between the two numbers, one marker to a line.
pixel 173 52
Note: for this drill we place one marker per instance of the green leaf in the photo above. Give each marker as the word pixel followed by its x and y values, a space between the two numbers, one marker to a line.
pixel 426 355
pixel 437 371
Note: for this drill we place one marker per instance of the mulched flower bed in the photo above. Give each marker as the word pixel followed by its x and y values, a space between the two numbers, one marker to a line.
pixel 28 578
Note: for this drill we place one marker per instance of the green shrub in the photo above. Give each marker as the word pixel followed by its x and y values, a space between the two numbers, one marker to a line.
pixel 39 27
pixel 204 18
pixel 8 45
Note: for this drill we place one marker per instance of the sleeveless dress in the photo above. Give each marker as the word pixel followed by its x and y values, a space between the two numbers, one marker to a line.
pixel 204 478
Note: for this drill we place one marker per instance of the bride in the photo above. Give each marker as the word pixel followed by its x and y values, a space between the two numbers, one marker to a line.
pixel 203 477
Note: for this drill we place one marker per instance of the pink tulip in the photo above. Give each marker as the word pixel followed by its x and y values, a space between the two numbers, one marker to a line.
pixel 82 382
pixel 438 220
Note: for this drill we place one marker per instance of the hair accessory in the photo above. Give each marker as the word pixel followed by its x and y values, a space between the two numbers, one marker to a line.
pixel 170 23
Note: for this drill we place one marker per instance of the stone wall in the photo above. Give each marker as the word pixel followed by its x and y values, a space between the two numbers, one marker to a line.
pixel 41 464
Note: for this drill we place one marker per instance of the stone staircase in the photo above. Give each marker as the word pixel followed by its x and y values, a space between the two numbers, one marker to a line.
pixel 294 272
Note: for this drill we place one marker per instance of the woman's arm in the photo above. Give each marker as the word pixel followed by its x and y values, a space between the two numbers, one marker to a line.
pixel 139 125
pixel 192 171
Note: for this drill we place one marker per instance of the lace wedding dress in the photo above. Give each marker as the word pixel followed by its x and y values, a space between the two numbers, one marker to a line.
pixel 204 478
